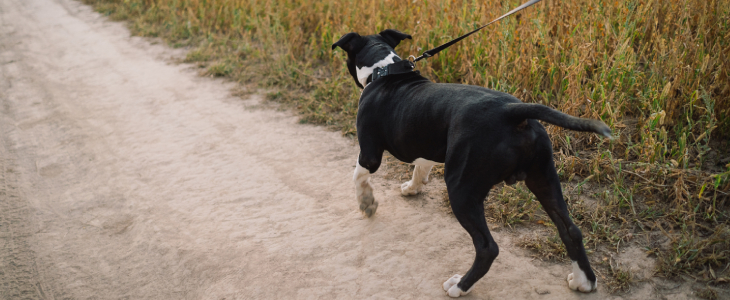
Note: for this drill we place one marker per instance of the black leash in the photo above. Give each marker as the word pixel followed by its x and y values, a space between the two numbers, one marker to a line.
pixel 438 49
pixel 407 66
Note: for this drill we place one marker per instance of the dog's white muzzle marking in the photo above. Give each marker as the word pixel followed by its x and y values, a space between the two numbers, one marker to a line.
pixel 578 281
pixel 364 191
pixel 364 72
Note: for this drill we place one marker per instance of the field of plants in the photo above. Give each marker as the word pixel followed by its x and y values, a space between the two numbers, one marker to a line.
pixel 657 72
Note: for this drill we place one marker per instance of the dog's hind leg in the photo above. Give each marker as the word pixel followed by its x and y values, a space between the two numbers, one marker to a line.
pixel 543 181
pixel 363 189
pixel 467 203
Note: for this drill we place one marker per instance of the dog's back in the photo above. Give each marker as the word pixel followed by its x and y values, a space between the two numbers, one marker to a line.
pixel 413 117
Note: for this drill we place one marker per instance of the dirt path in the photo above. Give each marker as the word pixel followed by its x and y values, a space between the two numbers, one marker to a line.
pixel 123 176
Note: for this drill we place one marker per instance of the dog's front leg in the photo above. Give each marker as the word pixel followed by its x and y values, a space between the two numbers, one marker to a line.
pixel 364 191
pixel 420 177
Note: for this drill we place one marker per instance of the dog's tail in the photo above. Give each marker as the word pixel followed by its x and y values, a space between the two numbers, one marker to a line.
pixel 522 111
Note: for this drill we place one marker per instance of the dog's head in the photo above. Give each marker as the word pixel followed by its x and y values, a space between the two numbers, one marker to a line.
pixel 365 53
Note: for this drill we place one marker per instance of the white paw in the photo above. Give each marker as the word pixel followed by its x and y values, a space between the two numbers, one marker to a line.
pixel 576 284
pixel 409 189
pixel 368 205
pixel 364 191
pixel 578 281
pixel 451 287
pixel 451 282
pixel 369 210
pixel 425 180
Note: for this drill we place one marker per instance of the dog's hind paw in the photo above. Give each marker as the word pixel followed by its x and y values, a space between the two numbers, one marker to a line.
pixel 451 282
pixel 451 287
pixel 409 189
pixel 578 281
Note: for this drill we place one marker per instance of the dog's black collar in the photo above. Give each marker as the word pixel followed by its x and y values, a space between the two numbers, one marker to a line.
pixel 401 67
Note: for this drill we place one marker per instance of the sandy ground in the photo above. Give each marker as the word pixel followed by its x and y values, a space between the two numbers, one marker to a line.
pixel 125 176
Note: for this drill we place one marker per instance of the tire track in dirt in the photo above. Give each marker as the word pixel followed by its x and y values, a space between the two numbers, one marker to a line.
pixel 18 274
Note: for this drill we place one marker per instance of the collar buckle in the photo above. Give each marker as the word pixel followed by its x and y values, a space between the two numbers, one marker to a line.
pixel 380 72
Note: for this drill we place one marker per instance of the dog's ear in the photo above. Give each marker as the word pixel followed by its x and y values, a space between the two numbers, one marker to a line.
pixel 348 42
pixel 393 37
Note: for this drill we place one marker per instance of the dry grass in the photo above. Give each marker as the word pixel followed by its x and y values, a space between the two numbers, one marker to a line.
pixel 545 247
pixel 515 204
pixel 707 293
pixel 656 71
pixel 621 278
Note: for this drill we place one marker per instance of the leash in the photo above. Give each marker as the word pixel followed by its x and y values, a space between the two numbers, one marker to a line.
pixel 438 49
pixel 407 66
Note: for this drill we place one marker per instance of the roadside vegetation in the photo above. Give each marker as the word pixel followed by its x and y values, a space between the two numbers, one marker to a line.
pixel 657 72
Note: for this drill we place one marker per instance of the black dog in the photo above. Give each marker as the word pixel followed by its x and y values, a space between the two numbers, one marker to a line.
pixel 483 137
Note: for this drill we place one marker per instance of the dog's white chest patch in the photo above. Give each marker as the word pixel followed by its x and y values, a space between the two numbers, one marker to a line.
pixel 364 72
